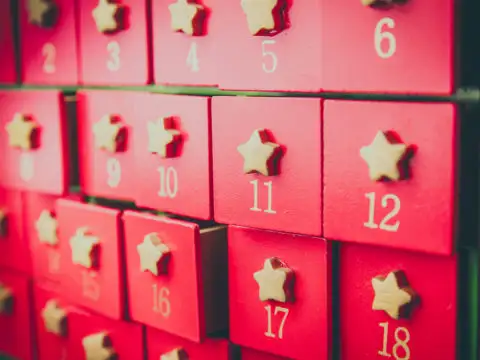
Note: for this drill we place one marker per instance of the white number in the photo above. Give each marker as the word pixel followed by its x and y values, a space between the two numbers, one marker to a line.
pixel 399 343
pixel 114 171
pixel 192 58
pixel 384 223
pixel 278 309
pixel 381 36
pixel 161 303
pixel 64 354
pixel 53 261
pixel 168 182
pixel 113 63
pixel 273 57
pixel 90 286
pixel 49 53
pixel 27 167
pixel 255 207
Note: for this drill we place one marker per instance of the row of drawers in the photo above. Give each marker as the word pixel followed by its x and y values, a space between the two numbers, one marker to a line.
pixel 350 171
pixel 275 288
pixel 284 45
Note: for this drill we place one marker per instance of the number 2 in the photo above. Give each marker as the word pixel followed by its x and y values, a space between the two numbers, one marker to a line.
pixel 113 63
pixel 49 53
pixel 387 37
pixel 384 225
pixel 273 62
pixel 278 309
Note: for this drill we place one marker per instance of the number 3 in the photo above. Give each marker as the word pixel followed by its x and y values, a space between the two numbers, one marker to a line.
pixel 385 36
pixel 113 63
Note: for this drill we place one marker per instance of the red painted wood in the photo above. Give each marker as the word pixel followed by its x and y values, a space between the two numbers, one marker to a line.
pixel 426 198
pixel 434 280
pixel 47 110
pixel 50 55
pixel 309 258
pixel 296 196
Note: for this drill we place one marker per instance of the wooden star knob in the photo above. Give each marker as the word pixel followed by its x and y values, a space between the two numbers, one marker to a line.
pixel 381 3
pixel 6 300
pixel 110 134
pixel 176 354
pixel 3 222
pixel 275 281
pixel 264 17
pixel 109 16
pixel 163 139
pixel 393 295
pixel 260 155
pixel 85 248
pixel 46 227
pixel 55 318
pixel 154 254
pixel 42 13
pixel 188 17
pixel 22 132
pixel 98 347
pixel 384 158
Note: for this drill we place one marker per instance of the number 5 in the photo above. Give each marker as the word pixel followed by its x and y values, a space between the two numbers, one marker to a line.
pixel 270 54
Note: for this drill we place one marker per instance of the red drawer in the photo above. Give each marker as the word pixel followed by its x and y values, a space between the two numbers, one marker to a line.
pixel 16 330
pixel 395 297
pixel 91 257
pixel 48 42
pixel 185 36
pixel 14 249
pixel 279 286
pixel 183 270
pixel 82 335
pixel 106 142
pixel 270 45
pixel 397 167
pixel 267 172
pixel 117 34
pixel 34 134
pixel 8 69
pixel 379 49
pixel 164 346
pixel 173 155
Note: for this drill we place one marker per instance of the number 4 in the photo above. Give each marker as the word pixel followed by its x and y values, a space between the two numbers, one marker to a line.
pixel 192 58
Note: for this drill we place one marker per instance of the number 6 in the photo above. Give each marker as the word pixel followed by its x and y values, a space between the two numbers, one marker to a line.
pixel 381 36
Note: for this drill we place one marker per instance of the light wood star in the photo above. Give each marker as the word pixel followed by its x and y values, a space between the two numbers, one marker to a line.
pixel 393 295
pixel 98 347
pixel 275 281
pixel 258 154
pixel 54 318
pixel 107 134
pixel 107 16
pixel 176 354
pixel 20 132
pixel 154 254
pixel 85 248
pixel 3 222
pixel 162 138
pixel 261 15
pixel 184 17
pixel 41 12
pixel 6 300
pixel 383 157
pixel 46 226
